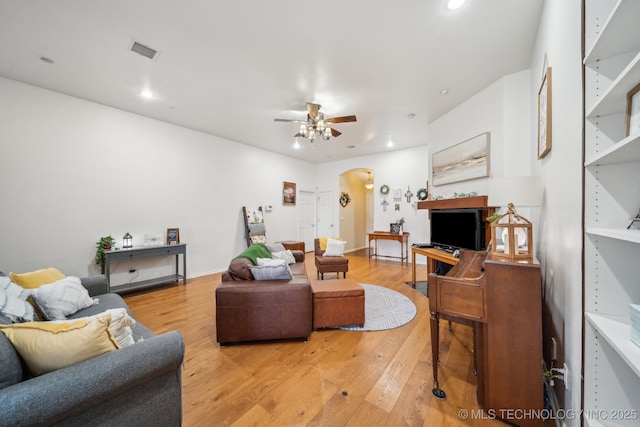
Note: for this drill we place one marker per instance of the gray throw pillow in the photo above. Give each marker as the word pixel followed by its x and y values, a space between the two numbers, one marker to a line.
pixel 271 272
pixel 275 247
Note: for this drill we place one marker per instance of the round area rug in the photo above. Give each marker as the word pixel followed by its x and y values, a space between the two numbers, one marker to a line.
pixel 384 309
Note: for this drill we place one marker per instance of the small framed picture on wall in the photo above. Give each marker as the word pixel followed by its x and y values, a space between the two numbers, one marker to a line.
pixel 173 236
pixel 288 193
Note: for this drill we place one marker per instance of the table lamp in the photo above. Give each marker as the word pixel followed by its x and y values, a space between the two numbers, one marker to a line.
pixel 515 231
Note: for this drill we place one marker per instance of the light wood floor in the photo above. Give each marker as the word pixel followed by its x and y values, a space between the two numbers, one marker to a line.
pixel 336 378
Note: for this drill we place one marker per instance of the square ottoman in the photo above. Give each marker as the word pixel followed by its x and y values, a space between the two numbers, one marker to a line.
pixel 338 302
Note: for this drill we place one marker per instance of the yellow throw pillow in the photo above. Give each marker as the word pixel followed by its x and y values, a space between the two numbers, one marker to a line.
pixel 46 346
pixel 36 278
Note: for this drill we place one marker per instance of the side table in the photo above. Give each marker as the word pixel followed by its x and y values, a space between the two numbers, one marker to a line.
pixel 294 245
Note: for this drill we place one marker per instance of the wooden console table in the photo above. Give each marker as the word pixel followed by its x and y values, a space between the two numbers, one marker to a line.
pixel 403 239
pixel 432 255
pixel 137 253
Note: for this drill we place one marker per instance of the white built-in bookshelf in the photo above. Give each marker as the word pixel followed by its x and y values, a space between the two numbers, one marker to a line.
pixel 612 197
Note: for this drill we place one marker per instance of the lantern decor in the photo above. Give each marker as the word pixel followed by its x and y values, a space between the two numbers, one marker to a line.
pixel 515 232
pixel 127 241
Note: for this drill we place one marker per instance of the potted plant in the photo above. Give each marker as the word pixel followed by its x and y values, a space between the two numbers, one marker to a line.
pixel 104 244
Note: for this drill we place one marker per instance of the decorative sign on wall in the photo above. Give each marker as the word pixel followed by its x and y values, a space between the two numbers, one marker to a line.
pixel 466 160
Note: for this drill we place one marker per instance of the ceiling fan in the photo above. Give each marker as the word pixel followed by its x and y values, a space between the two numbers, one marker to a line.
pixel 316 125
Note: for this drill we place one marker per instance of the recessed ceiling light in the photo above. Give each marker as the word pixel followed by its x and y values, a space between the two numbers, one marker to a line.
pixel 146 94
pixel 47 60
pixel 444 91
pixel 411 115
pixel 454 4
pixel 351 146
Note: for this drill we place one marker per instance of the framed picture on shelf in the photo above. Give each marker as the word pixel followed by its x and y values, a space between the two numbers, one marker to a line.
pixel 633 111
pixel 544 115
pixel 288 193
pixel 173 236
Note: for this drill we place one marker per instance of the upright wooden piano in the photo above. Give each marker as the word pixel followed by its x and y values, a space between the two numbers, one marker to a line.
pixel 502 301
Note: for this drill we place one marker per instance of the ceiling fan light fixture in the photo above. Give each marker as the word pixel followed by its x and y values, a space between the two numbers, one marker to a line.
pixel 317 126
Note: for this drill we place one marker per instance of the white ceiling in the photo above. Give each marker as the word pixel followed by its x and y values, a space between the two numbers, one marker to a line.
pixel 228 68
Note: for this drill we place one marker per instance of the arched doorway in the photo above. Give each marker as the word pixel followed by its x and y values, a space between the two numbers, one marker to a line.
pixel 356 218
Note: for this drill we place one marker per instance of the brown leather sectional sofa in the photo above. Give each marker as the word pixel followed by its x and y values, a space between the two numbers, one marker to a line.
pixel 257 310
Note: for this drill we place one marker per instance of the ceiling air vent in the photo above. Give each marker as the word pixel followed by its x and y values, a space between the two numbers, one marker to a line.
pixel 143 50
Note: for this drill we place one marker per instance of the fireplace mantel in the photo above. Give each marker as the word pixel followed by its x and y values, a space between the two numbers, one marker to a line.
pixel 457 203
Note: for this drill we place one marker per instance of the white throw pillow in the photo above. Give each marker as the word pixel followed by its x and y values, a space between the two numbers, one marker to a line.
pixel 119 324
pixel 335 247
pixel 13 301
pixel 62 298
pixel 271 262
pixel 286 255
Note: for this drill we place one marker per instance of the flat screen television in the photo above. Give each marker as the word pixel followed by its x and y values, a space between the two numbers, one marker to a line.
pixel 458 229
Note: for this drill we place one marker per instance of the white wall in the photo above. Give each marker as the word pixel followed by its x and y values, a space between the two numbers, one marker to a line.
pixel 502 109
pixel 397 169
pixel 74 171
pixel 560 230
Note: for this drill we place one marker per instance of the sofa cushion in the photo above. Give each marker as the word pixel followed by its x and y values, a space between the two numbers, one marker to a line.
pixel 298 269
pixel 34 279
pixel 62 298
pixel 48 346
pixel 240 269
pixel 10 365
pixel 13 302
pixel 119 325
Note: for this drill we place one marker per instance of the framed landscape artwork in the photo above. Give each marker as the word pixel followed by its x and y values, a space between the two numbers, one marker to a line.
pixel 544 115
pixel 466 160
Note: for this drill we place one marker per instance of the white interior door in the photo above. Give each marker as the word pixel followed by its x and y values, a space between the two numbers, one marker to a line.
pixel 306 219
pixel 326 218
pixel 369 212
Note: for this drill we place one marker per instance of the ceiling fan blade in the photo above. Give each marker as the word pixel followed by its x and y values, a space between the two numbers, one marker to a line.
pixel 313 109
pixel 335 133
pixel 289 121
pixel 343 119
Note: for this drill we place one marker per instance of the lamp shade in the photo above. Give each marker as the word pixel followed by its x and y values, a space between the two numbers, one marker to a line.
pixel 522 191
pixel 513 231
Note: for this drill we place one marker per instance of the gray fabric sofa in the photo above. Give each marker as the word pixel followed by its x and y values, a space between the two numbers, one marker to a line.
pixel 137 385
